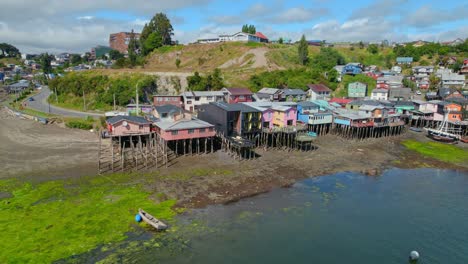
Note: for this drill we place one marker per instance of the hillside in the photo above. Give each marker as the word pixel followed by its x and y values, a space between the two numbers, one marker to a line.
pixel 239 61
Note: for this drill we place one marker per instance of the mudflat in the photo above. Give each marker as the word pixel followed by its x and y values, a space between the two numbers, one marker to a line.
pixel 31 149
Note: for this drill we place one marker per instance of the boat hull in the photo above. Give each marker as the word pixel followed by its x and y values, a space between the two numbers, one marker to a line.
pixel 151 220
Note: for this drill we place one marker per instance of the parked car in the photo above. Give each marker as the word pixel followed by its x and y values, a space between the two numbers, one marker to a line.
pixel 418 92
pixel 30 99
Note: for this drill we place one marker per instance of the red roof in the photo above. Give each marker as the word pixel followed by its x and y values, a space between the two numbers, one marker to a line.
pixel 340 101
pixel 260 35
pixel 318 88
pixel 239 91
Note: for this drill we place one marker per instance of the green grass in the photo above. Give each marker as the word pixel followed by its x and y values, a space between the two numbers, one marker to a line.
pixel 45 222
pixel 33 112
pixel 439 151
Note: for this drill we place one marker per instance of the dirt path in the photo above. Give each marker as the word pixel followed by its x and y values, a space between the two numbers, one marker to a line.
pixel 259 60
pixel 29 148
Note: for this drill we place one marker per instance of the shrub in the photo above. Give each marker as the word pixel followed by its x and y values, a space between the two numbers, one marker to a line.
pixel 80 124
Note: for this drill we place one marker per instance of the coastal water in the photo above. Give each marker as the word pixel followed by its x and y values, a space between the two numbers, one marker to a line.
pixel 342 218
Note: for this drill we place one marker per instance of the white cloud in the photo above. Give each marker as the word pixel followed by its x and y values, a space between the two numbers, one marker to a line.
pixel 426 16
pixel 297 15
pixel 380 8
pixel 364 29
pixel 85 17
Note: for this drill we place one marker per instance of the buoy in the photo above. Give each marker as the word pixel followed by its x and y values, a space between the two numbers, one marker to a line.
pixel 138 218
pixel 414 255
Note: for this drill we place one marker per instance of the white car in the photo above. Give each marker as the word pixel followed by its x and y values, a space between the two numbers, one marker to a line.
pixel 418 92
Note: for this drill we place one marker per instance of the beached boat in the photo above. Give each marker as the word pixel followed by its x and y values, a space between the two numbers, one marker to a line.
pixel 443 133
pixel 151 220
pixel 416 129
pixel 444 139
pixel 464 139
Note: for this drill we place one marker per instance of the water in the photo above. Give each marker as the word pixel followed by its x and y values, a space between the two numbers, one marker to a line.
pixel 342 218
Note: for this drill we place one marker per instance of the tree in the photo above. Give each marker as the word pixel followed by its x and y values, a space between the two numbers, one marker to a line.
pixel 434 82
pixel 132 49
pixel 153 41
pixel 45 61
pixel 161 26
pixel 373 48
pixel 9 51
pixel 361 45
pixel 280 40
pixel 217 80
pixel 303 50
pixel 115 55
pixel 75 59
pixel 249 29
pixel 194 81
pixel 326 59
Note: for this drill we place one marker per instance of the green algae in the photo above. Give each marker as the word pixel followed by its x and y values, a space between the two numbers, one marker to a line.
pixel 45 222
pixel 440 151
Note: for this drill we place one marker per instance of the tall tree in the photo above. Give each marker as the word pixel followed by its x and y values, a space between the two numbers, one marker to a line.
pixel 45 60
pixel 9 51
pixel 161 25
pixel 303 50
pixel 245 28
pixel 132 49
pixel 280 41
pixel 153 41
pixel 75 59
pixel 115 55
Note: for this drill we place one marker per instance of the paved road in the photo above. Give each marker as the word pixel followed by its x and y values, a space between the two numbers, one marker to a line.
pixel 40 103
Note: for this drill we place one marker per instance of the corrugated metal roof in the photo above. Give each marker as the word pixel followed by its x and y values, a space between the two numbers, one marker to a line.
pixel 133 119
pixel 182 124
pixel 238 91
pixel 319 88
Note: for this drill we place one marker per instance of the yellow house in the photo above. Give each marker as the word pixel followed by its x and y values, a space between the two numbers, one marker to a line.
pixel 284 116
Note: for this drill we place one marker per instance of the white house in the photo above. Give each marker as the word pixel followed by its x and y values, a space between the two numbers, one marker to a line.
pixel 426 70
pixel 396 69
pixel 318 92
pixel 239 36
pixel 379 94
pixel 453 79
pixel 193 100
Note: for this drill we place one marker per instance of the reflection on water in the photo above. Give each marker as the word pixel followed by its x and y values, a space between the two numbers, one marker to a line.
pixel 342 218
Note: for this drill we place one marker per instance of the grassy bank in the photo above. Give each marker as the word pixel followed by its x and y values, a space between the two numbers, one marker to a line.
pixel 443 152
pixel 48 221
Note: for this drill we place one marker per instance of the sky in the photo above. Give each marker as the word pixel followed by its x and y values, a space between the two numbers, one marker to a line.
pixel 53 26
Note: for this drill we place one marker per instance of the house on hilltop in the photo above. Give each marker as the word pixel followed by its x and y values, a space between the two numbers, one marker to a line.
pixel 318 92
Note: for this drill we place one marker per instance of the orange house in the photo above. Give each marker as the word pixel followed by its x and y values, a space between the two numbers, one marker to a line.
pixel 453 111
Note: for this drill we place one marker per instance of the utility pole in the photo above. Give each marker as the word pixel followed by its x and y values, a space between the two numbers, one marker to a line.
pixel 136 91
pixel 114 101
pixel 56 98
pixel 84 101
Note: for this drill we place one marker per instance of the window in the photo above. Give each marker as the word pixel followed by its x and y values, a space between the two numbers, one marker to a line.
pixel 241 97
pixel 189 102
pixel 202 130
pixel 175 132
pixel 191 131
pixel 211 129
pixel 174 99
pixel 209 98
pixel 197 98
pixel 166 99
pixel 140 126
pixel 160 99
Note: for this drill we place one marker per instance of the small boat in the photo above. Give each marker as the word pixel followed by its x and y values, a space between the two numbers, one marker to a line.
pixel 415 129
pixel 464 139
pixel 442 138
pixel 151 220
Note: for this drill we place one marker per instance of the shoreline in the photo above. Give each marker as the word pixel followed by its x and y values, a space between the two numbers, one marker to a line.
pixel 200 180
